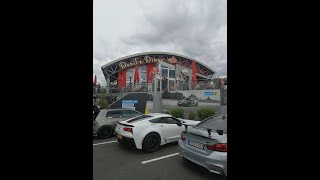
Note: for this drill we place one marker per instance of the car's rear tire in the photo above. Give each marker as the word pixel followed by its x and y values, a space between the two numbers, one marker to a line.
pixel 151 143
pixel 105 132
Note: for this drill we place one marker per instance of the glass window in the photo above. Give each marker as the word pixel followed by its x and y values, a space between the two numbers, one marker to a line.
pixel 155 120
pixel 172 73
pixel 129 113
pixel 159 120
pixel 165 73
pixel 171 120
pixel 125 113
pixel 135 113
pixel 143 68
pixel 128 76
pixel 139 118
pixel 114 114
pixel 143 77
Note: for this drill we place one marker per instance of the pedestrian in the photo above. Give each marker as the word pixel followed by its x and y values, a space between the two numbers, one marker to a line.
pixel 96 111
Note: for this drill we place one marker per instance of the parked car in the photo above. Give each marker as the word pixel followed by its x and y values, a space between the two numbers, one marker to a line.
pixel 206 144
pixel 188 102
pixel 149 132
pixel 105 122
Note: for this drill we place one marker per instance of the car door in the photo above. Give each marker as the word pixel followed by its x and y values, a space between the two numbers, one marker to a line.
pixel 171 129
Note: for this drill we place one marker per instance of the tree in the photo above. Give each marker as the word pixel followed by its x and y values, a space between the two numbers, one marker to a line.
pixel 102 101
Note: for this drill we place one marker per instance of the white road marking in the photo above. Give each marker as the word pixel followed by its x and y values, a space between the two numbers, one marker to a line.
pixel 105 143
pixel 162 157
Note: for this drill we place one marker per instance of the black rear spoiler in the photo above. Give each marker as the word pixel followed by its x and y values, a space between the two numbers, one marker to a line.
pixel 125 124
pixel 220 132
pixel 186 126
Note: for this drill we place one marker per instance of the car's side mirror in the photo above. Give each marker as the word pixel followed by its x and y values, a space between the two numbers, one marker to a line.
pixel 220 132
pixel 179 123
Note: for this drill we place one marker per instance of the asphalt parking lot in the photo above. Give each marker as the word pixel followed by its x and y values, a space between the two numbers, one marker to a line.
pixel 115 161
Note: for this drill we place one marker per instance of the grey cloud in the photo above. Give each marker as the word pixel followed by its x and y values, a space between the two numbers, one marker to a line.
pixel 193 28
pixel 198 30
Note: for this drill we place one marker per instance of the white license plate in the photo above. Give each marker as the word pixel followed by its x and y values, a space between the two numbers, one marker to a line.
pixel 196 144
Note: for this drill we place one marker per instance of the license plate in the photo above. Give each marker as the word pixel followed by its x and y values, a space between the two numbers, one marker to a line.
pixel 119 136
pixel 196 144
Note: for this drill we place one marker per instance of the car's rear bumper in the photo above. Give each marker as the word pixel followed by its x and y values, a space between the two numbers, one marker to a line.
pixel 127 141
pixel 216 165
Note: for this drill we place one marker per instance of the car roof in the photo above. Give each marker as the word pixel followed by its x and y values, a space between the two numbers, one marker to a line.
pixel 159 115
pixel 118 109
pixel 149 117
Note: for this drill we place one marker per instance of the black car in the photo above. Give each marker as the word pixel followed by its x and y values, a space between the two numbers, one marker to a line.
pixel 188 102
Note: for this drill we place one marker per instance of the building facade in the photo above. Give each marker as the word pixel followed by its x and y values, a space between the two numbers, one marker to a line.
pixel 177 72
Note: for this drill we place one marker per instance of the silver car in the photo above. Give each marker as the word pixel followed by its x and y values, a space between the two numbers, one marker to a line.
pixel 106 121
pixel 206 144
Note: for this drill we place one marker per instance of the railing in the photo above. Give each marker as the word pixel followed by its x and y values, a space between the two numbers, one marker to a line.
pixel 171 86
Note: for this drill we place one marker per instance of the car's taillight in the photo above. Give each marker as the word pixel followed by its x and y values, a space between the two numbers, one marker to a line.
pixel 182 137
pixel 127 129
pixel 217 147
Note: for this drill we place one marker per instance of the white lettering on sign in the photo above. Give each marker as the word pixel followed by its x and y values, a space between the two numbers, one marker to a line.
pixel 136 61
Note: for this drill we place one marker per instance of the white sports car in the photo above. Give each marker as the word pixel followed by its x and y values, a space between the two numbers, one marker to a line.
pixel 150 131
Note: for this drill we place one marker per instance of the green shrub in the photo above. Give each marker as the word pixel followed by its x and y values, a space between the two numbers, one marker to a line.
pixel 177 112
pixel 191 116
pixel 204 113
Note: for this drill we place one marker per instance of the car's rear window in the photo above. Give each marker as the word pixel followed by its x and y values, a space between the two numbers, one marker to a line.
pixel 214 123
pixel 139 118
pixel 115 113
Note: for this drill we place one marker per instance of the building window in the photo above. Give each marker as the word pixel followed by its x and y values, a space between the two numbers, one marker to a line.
pixel 164 72
pixel 143 73
pixel 172 73
pixel 130 71
pixel 143 68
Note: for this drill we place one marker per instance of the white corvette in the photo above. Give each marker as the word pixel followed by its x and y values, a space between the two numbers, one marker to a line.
pixel 149 132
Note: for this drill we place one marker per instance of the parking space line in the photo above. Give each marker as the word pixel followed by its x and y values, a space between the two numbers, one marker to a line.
pixel 105 143
pixel 162 157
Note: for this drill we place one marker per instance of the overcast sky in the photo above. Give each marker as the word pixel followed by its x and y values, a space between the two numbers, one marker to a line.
pixel 194 28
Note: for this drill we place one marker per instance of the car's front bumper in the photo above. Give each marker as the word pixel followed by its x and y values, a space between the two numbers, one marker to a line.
pixel 215 162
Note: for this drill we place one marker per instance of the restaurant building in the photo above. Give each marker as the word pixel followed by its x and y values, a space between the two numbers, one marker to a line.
pixel 136 72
